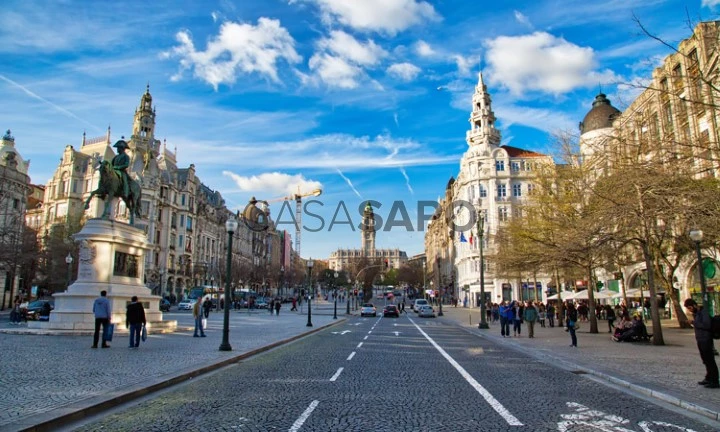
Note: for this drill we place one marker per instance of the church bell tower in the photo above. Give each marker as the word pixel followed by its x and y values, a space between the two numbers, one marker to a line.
pixel 368 231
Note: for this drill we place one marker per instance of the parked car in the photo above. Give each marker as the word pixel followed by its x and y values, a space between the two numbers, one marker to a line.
pixel 164 305
pixel 261 303
pixel 368 310
pixel 417 303
pixel 34 309
pixel 426 312
pixel 391 310
pixel 186 304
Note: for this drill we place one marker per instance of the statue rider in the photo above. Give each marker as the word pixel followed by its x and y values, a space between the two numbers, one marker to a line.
pixel 120 163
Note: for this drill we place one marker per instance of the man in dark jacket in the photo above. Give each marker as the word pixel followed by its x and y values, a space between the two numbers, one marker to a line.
pixel 703 335
pixel 135 320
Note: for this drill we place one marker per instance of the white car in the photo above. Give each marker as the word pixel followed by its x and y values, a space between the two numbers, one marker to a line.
pixel 426 312
pixel 186 305
pixel 368 310
pixel 419 303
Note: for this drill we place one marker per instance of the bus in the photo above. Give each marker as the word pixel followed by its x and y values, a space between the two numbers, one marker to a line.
pixel 204 291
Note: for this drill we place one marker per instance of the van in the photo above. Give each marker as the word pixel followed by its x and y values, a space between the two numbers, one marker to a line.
pixel 419 302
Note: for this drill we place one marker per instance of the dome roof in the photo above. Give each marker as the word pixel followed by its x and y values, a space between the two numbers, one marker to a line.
pixel 600 116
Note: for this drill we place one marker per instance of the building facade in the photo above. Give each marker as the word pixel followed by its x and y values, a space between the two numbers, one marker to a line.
pixel 183 218
pixel 14 191
pixel 345 259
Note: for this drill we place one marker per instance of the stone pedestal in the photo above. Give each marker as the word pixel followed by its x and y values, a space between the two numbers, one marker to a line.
pixel 111 258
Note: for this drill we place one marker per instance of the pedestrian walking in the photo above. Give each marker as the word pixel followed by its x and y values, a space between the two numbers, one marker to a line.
pixel 551 315
pixel 135 320
pixel 207 305
pixel 530 315
pixel 278 305
pixel 541 315
pixel 15 313
pixel 294 304
pixel 198 315
pixel 503 311
pixel 101 310
pixel 517 318
pixel 572 317
pixel 610 315
pixel 702 323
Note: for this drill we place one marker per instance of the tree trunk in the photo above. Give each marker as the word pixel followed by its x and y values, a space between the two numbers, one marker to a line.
pixel 657 338
pixel 591 302
pixel 680 316
pixel 561 306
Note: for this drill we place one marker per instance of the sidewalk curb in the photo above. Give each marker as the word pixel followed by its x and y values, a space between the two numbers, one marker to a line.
pixel 573 367
pixel 60 417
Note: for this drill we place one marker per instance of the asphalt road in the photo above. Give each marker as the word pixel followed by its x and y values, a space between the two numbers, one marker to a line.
pixel 387 374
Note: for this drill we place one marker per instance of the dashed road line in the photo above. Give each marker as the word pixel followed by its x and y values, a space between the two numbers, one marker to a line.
pixel 365 338
pixel 304 416
pixel 351 355
pixel 360 344
pixel 337 374
pixel 489 398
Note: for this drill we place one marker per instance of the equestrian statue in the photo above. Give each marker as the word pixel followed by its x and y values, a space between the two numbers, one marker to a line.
pixel 115 183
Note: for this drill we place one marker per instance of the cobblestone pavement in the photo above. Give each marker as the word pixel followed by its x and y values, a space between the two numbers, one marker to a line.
pixel 405 374
pixel 672 369
pixel 44 375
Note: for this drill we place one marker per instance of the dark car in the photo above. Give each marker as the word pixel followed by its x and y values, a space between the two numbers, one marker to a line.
pixel 164 305
pixel 391 310
pixel 36 309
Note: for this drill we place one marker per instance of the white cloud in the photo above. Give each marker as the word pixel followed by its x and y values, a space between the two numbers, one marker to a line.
pixel 710 3
pixel 336 71
pixel 542 62
pixel 346 46
pixel 237 49
pixel 522 19
pixel 340 59
pixel 407 180
pixel 404 71
pixel 383 16
pixel 424 49
pixel 273 183
pixel 464 64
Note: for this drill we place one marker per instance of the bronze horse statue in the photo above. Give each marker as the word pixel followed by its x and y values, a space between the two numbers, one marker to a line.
pixel 110 187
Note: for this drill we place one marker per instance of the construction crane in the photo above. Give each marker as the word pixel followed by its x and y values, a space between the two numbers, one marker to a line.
pixel 297 197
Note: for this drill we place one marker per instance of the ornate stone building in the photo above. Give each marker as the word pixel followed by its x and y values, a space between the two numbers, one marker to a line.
pixel 493 182
pixel 675 116
pixel 183 218
pixel 14 190
pixel 344 259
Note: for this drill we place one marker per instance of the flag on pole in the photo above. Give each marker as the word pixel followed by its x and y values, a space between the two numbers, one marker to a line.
pixel 471 238
pixel 462 238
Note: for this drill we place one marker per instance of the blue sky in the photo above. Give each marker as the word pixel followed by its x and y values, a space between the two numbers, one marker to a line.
pixel 368 99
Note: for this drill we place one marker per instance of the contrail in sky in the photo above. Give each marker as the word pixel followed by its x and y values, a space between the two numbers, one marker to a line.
pixel 407 180
pixel 349 183
pixel 42 99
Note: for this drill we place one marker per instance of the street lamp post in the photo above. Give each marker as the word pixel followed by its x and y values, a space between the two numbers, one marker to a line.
pixel 282 281
pixel 335 296
pixel 424 287
pixel 310 291
pixel 68 261
pixel 696 235
pixel 481 233
pixel 217 295
pixel 348 297
pixel 231 226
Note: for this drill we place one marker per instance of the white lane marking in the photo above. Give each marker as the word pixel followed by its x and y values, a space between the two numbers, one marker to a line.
pixel 304 416
pixel 370 332
pixel 497 406
pixel 351 355
pixel 360 344
pixel 587 418
pixel 365 338
pixel 337 374
pixel 397 333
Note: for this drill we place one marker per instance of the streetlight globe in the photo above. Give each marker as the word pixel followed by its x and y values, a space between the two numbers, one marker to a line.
pixel 68 259
pixel 317 192
pixel 696 235
pixel 231 225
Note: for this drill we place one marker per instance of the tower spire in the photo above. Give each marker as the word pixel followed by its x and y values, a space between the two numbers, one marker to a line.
pixel 482 118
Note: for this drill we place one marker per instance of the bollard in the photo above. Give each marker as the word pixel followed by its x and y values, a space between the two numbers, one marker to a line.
pixel 470 318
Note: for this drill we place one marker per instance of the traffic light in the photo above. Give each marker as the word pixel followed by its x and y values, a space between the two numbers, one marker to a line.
pixel 386 263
